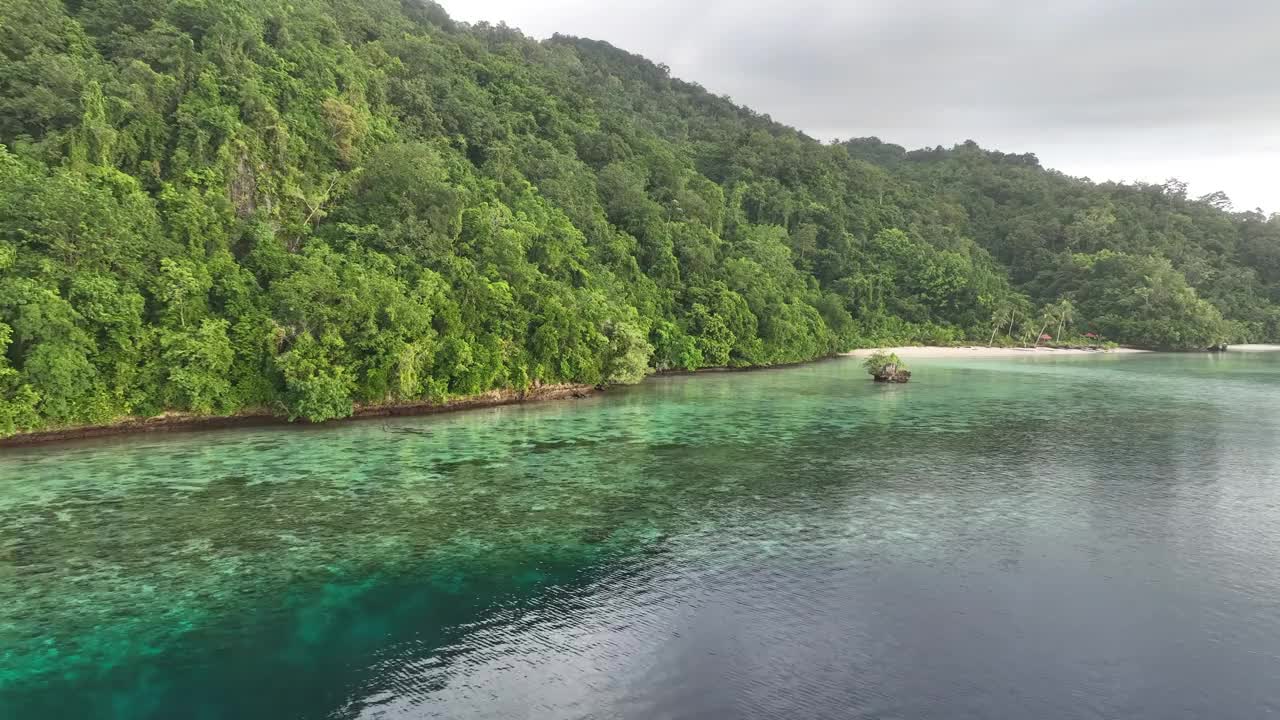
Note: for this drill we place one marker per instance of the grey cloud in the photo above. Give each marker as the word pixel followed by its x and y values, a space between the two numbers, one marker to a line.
pixel 1174 76
pixel 1021 62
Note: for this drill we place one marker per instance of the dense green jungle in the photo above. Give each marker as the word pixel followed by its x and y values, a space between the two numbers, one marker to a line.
pixel 306 207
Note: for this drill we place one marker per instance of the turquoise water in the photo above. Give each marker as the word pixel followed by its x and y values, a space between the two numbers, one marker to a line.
pixel 1034 537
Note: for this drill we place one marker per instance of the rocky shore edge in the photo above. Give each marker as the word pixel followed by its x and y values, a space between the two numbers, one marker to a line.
pixel 173 422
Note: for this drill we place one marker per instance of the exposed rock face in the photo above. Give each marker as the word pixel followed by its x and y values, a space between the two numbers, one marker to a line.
pixel 891 374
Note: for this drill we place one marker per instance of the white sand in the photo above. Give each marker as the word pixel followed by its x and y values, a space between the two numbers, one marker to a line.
pixel 1253 348
pixel 978 351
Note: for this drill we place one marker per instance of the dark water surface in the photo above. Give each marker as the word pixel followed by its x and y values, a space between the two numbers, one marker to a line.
pixel 1093 537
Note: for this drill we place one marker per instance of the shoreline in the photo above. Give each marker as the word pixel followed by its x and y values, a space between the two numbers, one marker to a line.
pixel 178 422
pixel 175 422
pixel 981 351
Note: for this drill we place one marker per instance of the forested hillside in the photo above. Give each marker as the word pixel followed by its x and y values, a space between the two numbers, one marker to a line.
pixel 210 206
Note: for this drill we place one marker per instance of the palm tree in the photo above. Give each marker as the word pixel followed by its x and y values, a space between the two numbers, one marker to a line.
pixel 1047 314
pixel 997 321
pixel 1066 315
pixel 1061 312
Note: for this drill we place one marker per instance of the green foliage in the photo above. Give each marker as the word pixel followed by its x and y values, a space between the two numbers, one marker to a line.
pixel 629 354
pixel 1145 301
pixel 198 362
pixel 17 402
pixel 309 206
pixel 316 389
pixel 1167 265
pixel 879 361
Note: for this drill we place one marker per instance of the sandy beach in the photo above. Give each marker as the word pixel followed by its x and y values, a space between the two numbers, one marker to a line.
pixel 980 351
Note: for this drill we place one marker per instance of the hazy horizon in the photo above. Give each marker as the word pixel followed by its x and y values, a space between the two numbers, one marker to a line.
pixel 1108 91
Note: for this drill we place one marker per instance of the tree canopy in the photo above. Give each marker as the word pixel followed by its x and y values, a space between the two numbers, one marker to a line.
pixel 218 205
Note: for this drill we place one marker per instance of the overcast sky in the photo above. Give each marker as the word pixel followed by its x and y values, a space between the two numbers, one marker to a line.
pixel 1106 89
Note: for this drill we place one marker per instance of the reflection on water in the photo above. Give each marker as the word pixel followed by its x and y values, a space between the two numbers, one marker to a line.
pixel 1051 538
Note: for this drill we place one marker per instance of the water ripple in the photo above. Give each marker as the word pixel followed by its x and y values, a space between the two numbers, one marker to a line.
pixel 1098 537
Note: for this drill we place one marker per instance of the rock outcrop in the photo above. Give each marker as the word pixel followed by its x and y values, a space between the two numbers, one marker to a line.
pixel 891 374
